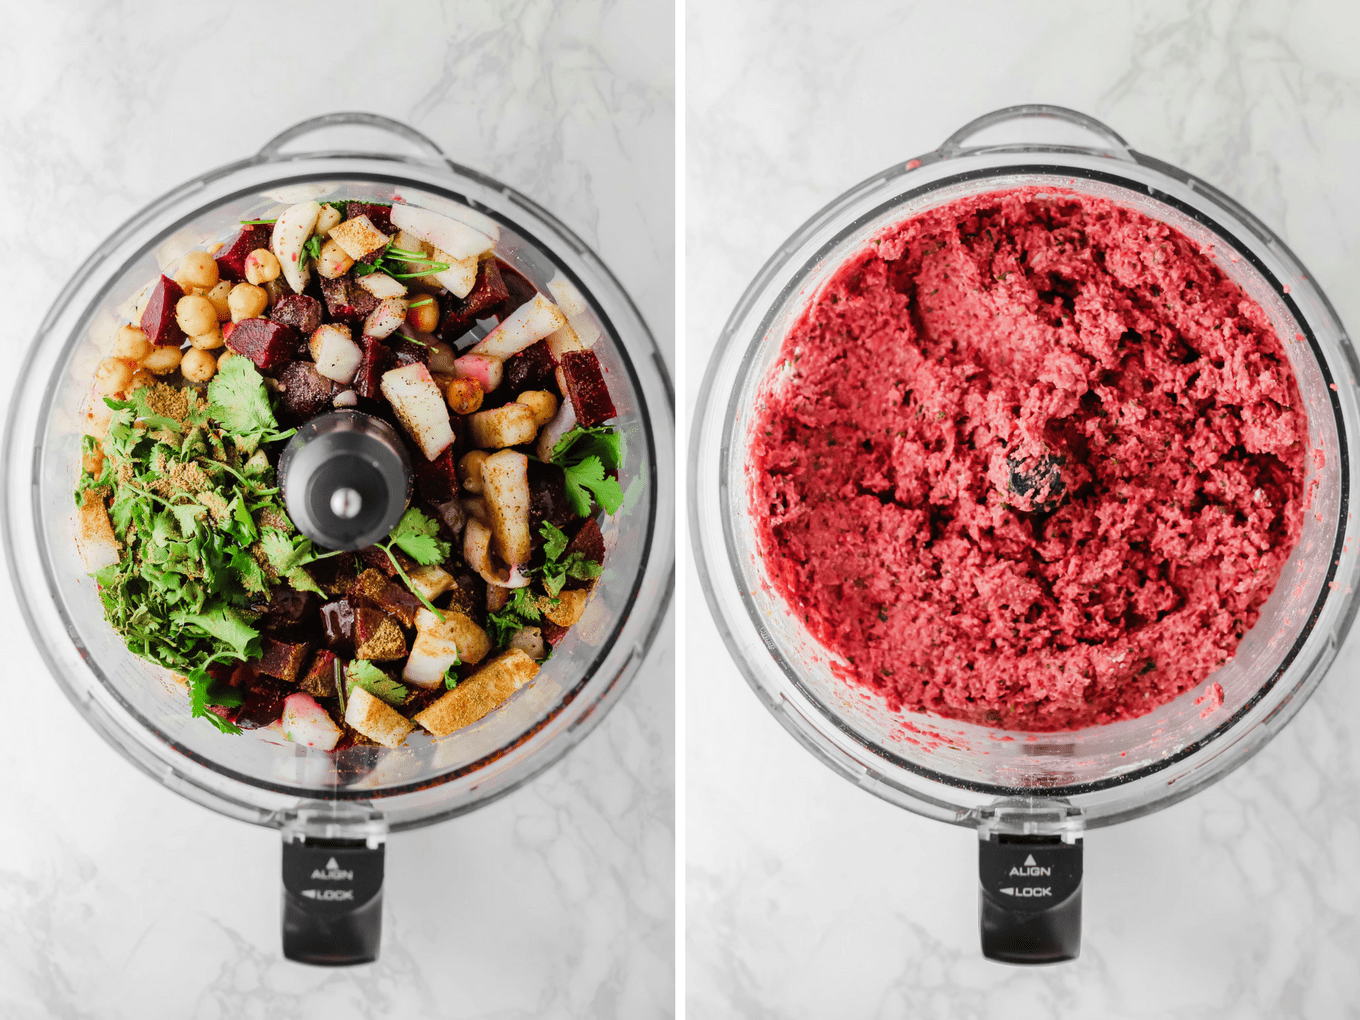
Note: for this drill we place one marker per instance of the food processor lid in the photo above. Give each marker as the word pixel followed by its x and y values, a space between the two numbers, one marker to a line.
pixel 346 479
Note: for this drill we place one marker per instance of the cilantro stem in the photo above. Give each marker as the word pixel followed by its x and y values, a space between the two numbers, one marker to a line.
pixel 150 495
pixel 257 223
pixel 428 604
pixel 340 685
pixel 422 302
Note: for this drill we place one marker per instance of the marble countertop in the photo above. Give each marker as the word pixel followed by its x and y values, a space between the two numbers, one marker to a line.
pixel 119 898
pixel 808 898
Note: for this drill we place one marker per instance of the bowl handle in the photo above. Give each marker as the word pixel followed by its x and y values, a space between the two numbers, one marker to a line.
pixel 332 887
pixel 350 129
pixel 1029 886
pixel 1111 141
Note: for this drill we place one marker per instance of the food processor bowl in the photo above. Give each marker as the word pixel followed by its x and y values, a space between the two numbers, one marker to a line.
pixel 354 797
pixel 1030 794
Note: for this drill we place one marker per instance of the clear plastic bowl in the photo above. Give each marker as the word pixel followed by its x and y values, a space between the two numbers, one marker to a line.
pixel 145 714
pixel 963 773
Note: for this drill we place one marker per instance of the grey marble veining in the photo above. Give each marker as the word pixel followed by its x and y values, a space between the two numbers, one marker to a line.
pixel 808 898
pixel 120 899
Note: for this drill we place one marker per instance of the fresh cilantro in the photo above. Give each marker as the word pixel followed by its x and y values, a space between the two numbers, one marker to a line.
pixel 311 250
pixel 285 552
pixel 238 402
pixel 228 626
pixel 525 604
pixel 205 691
pixel 89 446
pixel 450 678
pixel 502 624
pixel 584 454
pixel 418 537
pixel 253 223
pixel 586 478
pixel 555 571
pixel 363 673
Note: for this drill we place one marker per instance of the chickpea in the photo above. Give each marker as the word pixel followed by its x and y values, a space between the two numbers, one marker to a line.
pixel 330 217
pixel 262 266
pixel 464 395
pixel 208 341
pixel 141 378
pixel 222 358
pixel 195 315
pixel 130 344
pixel 215 247
pixel 470 470
pixel 218 297
pixel 92 463
pixel 199 270
pixel 423 314
pixel 246 301
pixel 198 366
pixel 541 402
pixel 163 360
pixel 113 375
pixel 334 262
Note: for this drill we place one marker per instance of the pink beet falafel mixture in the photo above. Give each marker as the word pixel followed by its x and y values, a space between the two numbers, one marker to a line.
pixel 1031 460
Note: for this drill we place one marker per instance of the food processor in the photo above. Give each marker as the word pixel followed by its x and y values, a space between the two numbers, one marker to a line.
pixel 1030 796
pixel 334 810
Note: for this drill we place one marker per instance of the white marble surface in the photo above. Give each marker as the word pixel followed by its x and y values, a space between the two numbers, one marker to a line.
pixel 808 898
pixel 120 899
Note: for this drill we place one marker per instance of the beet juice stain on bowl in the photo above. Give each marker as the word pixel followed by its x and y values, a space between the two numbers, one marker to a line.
pixel 1030 460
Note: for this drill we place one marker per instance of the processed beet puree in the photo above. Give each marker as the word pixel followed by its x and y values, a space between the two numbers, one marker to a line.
pixel 1031 460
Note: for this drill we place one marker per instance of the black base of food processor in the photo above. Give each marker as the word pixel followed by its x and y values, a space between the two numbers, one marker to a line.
pixel 332 900
pixel 1029 903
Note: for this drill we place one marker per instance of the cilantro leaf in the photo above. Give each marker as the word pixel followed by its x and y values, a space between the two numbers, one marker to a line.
pixel 418 537
pixel 450 679
pixel 285 553
pixel 525 604
pixel 311 249
pixel 554 540
pixel 587 478
pixel 238 402
pixel 555 571
pixel 227 625
pixel 601 441
pixel 363 673
pixel 502 624
pixel 205 691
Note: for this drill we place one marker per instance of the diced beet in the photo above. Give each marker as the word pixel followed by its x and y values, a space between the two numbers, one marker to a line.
pixel 319 680
pixel 335 574
pixel 552 633
pixel 243 675
pixel 346 300
pixel 450 514
pixel 158 318
pixel 585 386
pixel 487 292
pixel 378 560
pixel 589 543
pixel 379 215
pixel 288 609
pixel 303 391
pixel 367 620
pixel 268 344
pixel 231 260
pixel 533 368
pixel 282 659
pixel 226 712
pixel 468 595
pixel 263 704
pixel 519 290
pixel 548 499
pixel 407 351
pixel 337 623
pixel 300 311
pixel 227 327
pixel 438 479
pixel 222 671
pixel 377 359
pixel 390 598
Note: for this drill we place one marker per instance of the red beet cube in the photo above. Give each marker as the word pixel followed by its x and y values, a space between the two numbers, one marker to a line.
pixel 367 620
pixel 533 368
pixel 346 300
pixel 242 675
pixel 268 344
pixel 390 598
pixel 379 215
pixel 585 386
pixel 407 351
pixel 158 318
pixel 300 311
pixel 262 706
pixel 319 680
pixel 488 292
pixel 588 542
pixel 377 359
pixel 304 392
pixel 377 559
pixel 548 499
pixel 231 260
pixel 519 289
pixel 283 659
pixel 438 479
pixel 552 633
